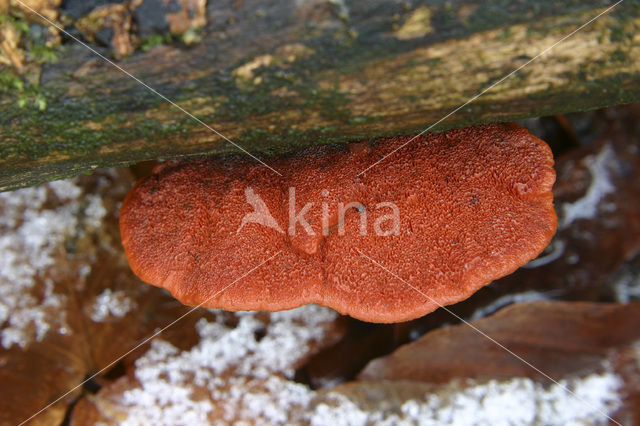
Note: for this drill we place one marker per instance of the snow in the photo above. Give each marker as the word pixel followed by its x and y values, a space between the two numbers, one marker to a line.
pixel 518 401
pixel 35 223
pixel 231 376
pixel 225 364
pixel 627 284
pixel 111 304
pixel 587 207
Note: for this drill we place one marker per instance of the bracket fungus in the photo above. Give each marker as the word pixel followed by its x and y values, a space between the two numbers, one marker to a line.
pixel 446 214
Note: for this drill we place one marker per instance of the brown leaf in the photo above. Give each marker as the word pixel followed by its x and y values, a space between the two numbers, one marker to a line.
pixel 558 338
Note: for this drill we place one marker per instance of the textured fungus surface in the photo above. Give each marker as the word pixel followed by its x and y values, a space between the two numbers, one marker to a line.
pixel 472 205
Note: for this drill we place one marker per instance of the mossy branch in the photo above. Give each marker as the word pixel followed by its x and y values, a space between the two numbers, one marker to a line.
pixel 277 77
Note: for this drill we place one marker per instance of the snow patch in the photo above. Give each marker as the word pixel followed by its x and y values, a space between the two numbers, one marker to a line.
pixel 223 365
pixel 232 376
pixel 35 223
pixel 111 304
pixel 587 207
pixel 627 285
pixel 519 401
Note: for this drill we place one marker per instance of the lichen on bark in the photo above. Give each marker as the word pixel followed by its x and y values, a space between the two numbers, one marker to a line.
pixel 321 72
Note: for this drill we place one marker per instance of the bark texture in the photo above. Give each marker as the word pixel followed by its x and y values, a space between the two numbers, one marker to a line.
pixel 277 75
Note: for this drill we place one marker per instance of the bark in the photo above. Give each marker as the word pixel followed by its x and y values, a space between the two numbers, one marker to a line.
pixel 274 76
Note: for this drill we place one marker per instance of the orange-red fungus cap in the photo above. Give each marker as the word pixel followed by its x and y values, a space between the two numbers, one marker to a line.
pixel 471 205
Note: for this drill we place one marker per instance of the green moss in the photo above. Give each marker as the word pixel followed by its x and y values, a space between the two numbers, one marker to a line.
pixel 26 92
pixel 63 128
pixel 25 95
pixel 20 25
pixel 44 54
pixel 10 83
pixel 154 40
